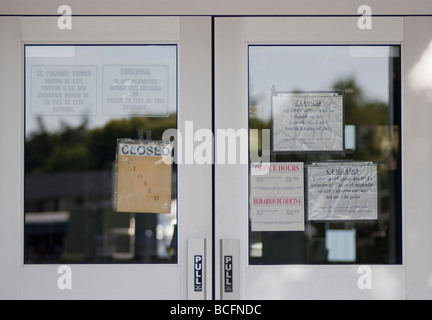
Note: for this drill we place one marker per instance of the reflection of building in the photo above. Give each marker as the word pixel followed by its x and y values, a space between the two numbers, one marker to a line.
pixel 68 190
pixel 69 217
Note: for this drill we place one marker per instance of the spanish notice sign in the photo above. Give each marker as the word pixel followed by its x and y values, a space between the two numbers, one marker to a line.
pixel 63 90
pixel 304 122
pixel 342 191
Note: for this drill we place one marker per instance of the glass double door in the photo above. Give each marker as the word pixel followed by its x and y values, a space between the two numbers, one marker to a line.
pixel 210 158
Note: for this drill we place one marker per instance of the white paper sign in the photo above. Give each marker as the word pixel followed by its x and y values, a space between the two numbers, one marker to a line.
pixel 341 245
pixel 277 196
pixel 63 90
pixel 342 191
pixel 308 122
pixel 135 90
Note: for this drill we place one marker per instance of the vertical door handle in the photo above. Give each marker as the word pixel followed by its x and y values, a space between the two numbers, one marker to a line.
pixel 230 269
pixel 196 266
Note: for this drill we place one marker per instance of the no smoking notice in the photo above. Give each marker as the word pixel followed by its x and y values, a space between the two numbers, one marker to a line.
pixel 63 90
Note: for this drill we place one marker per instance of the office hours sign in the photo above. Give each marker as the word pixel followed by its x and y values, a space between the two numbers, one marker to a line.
pixel 305 122
pixel 277 196
pixel 143 178
pixel 342 191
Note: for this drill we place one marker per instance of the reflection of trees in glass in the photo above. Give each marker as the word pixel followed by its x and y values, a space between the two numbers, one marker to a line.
pixel 70 172
pixel 81 148
pixel 367 116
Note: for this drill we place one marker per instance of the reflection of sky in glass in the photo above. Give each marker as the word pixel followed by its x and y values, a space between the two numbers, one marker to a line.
pixel 316 68
pixel 98 56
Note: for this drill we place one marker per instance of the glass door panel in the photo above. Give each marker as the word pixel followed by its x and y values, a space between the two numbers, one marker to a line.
pixel 296 78
pixel 319 203
pixel 79 101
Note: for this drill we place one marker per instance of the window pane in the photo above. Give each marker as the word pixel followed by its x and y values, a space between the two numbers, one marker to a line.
pixel 369 79
pixel 79 101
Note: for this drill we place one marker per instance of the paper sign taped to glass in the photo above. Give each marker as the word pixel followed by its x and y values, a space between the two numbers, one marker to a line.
pixel 305 122
pixel 342 191
pixel 277 196
pixel 143 181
